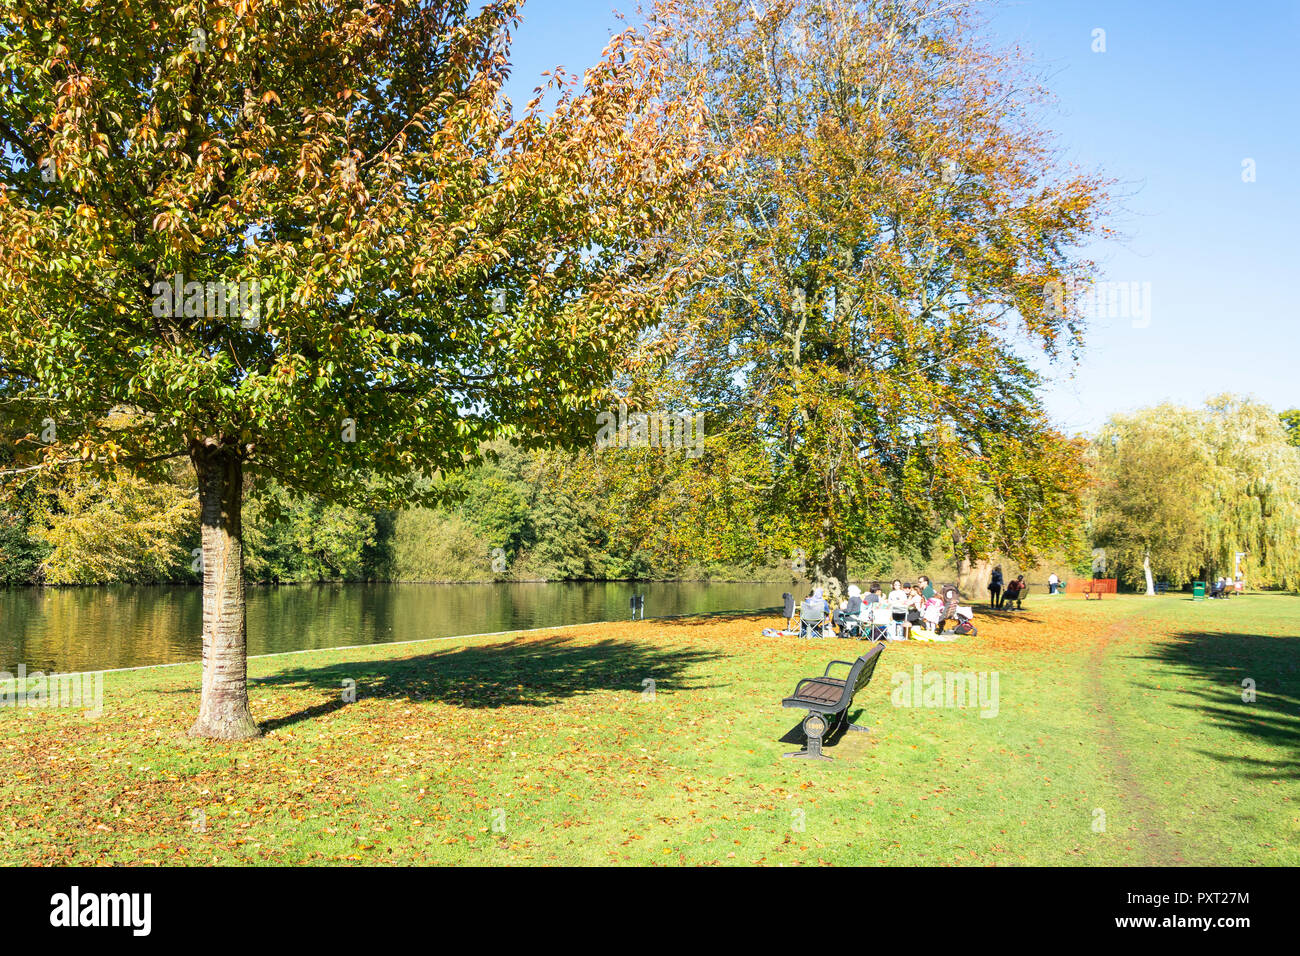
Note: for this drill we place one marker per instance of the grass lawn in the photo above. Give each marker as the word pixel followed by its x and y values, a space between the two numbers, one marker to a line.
pixel 1120 737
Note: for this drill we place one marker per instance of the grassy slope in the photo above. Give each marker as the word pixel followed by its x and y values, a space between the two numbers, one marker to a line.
pixel 1129 706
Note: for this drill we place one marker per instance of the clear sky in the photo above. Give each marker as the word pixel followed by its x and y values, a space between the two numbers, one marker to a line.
pixel 1184 93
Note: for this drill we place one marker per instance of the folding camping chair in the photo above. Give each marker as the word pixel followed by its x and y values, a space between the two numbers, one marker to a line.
pixel 878 621
pixel 814 620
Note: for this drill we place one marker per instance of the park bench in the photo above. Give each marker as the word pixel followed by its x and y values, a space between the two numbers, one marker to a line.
pixel 1090 591
pixel 827 700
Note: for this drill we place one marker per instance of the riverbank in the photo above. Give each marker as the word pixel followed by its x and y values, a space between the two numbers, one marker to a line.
pixel 660 742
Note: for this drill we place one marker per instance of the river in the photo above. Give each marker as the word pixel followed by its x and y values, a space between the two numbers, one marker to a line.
pixel 79 629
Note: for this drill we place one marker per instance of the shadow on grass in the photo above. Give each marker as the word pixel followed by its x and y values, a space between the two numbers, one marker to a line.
pixel 795 734
pixel 532 673
pixel 1222 662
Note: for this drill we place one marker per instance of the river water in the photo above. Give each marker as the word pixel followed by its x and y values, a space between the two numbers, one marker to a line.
pixel 79 629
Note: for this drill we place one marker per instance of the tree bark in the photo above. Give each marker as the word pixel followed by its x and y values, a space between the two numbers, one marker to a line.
pixel 973 577
pixel 223 707
pixel 1146 569
pixel 831 571
pixel 972 573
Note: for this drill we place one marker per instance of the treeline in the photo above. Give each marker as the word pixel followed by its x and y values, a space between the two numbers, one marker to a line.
pixel 1178 491
pixel 516 516
pixel 1185 494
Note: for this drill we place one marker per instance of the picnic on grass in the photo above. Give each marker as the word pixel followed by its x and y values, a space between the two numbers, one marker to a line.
pixel 908 611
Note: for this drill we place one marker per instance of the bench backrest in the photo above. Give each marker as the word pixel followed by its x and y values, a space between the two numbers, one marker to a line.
pixel 860 674
pixel 788 598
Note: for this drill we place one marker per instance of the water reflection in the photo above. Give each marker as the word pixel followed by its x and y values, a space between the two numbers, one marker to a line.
pixel 97 628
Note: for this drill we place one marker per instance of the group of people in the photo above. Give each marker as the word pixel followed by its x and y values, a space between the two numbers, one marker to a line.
pixel 1222 587
pixel 1001 598
pixel 911 610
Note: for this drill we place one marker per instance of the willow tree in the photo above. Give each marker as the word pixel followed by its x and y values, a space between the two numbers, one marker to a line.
pixel 1181 492
pixel 312 240
pixel 1291 421
pixel 881 276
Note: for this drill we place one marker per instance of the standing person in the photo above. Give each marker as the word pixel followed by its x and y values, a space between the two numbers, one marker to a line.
pixel 995 588
pixel 927 589
pixel 1053 582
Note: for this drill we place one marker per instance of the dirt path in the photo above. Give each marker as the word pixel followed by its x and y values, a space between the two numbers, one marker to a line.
pixel 1159 848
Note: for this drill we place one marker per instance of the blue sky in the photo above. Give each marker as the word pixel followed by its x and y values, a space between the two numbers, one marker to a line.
pixel 1183 94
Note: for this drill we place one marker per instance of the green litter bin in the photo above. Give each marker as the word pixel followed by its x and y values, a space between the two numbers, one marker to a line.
pixel 1198 591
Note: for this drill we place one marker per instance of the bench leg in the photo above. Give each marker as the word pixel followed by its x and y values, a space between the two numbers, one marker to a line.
pixel 813 727
pixel 812 750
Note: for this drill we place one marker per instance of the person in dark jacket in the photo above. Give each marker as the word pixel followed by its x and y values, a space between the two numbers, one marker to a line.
pixel 995 587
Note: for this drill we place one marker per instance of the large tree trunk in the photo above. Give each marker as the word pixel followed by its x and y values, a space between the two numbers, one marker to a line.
pixel 1146 569
pixel 972 573
pixel 223 709
pixel 831 571
pixel 973 577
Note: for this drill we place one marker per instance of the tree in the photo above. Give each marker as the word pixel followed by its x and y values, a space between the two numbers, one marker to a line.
pixel 1291 420
pixel 882 266
pixel 116 528
pixel 1153 491
pixel 312 241
pixel 1181 492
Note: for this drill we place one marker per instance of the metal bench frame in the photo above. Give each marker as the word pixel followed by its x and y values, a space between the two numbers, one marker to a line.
pixel 829 708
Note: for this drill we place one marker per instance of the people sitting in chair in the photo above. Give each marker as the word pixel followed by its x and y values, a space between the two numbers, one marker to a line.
pixel 897 594
pixel 874 596
pixel 1015 592
pixel 927 589
pixel 849 616
pixel 813 615
pixel 914 605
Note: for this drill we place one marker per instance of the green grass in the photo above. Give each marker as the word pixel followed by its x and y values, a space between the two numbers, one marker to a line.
pixel 1129 708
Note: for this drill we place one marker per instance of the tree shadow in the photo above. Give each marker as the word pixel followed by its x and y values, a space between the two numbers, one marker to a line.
pixel 528 673
pixel 1221 663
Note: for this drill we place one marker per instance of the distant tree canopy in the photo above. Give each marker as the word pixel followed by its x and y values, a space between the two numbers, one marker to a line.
pixel 880 267
pixel 1191 488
